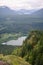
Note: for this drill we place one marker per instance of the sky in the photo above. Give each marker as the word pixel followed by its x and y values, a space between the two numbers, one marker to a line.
pixel 22 4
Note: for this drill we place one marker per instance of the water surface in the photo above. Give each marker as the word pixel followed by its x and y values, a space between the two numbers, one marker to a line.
pixel 17 42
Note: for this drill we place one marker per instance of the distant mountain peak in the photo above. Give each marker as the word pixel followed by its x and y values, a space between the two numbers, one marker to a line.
pixel 4 7
pixel 4 10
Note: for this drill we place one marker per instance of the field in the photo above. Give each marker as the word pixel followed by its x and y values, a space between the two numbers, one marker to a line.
pixel 9 36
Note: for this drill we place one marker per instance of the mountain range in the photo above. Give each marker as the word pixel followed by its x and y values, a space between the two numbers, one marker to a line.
pixel 4 11
pixel 15 21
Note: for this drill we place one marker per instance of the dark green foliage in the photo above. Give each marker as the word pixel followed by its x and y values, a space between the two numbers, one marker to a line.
pixel 17 51
pixel 32 49
pixel 6 49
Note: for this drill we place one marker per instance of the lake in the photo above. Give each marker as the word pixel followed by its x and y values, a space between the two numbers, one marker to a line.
pixel 17 42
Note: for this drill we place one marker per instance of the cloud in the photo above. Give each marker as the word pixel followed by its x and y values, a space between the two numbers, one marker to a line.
pixel 22 4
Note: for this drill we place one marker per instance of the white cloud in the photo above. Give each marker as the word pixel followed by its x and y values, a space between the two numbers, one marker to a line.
pixel 24 4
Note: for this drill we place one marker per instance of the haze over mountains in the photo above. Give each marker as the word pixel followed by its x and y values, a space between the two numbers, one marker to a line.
pixel 4 10
pixel 20 20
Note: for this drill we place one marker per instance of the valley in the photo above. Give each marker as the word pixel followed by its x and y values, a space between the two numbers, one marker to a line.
pixel 21 36
pixel 9 36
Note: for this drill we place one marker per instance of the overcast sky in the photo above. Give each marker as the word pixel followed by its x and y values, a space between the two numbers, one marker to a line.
pixel 22 4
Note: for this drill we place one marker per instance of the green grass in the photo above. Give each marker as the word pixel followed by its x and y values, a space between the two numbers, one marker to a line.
pixel 14 60
pixel 9 36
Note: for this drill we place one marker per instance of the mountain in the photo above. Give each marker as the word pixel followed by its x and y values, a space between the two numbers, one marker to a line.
pixel 32 48
pixel 24 11
pixel 20 20
pixel 38 13
pixel 4 10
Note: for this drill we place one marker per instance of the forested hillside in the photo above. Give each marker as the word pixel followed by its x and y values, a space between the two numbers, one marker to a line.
pixel 32 49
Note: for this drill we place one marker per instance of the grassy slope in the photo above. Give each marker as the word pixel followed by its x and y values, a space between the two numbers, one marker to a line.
pixel 14 60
